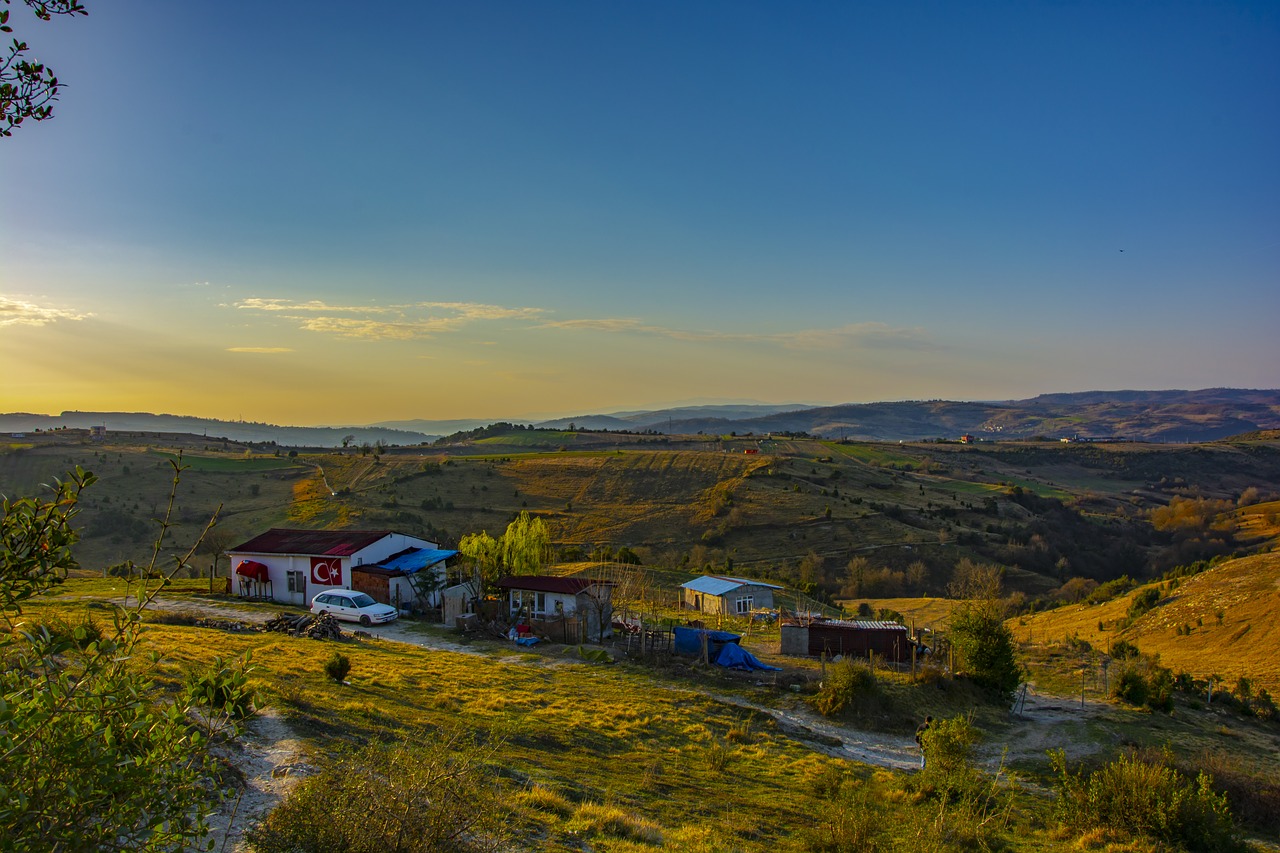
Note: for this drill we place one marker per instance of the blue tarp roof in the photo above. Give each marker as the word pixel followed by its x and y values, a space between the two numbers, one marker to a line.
pixel 416 559
pixel 719 584
pixel 733 656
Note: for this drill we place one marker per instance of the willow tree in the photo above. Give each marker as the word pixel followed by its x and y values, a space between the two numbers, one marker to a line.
pixel 526 545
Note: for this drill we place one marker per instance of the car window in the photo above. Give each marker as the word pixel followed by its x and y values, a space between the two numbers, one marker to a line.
pixel 322 599
pixel 362 600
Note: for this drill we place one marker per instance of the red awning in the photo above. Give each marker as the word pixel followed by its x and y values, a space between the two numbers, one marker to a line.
pixel 253 570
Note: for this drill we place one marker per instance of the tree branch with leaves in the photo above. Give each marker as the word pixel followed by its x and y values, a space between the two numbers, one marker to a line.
pixel 28 88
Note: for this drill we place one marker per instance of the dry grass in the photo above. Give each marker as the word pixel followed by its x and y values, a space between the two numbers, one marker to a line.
pixel 1184 629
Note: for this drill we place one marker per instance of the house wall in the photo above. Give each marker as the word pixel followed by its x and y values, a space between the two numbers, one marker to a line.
pixel 761 596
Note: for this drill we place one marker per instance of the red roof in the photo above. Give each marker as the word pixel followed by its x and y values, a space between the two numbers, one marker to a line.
pixel 545 583
pixel 324 543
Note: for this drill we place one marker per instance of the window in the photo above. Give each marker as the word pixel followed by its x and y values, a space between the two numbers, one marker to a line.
pixel 540 603
pixel 297 582
pixel 743 605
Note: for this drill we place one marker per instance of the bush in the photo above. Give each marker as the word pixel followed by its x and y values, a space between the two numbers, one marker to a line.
pixel 1143 601
pixel 337 667
pixel 847 683
pixel 1145 683
pixel 852 819
pixel 1136 798
pixel 423 794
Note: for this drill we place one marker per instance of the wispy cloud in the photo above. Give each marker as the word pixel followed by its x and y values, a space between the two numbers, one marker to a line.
pixel 18 312
pixel 260 350
pixel 386 322
pixel 841 337
pixel 415 320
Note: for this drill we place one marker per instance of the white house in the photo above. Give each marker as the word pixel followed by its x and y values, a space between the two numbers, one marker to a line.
pixel 546 598
pixel 718 594
pixel 293 566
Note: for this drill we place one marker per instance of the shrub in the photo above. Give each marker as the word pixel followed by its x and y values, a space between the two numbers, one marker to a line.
pixel 1136 798
pixel 851 820
pixel 847 682
pixel 1143 601
pixel 337 667
pixel 423 794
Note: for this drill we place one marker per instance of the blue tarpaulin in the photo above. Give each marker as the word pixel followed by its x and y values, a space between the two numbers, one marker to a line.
pixel 688 641
pixel 733 656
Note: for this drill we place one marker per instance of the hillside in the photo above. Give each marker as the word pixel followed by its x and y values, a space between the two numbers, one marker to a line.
pixel 839 519
pixel 1167 416
pixel 1220 622
pixel 210 428
pixel 1158 416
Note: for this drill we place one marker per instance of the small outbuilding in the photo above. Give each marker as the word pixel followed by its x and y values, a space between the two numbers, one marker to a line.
pixel 890 640
pixel 730 596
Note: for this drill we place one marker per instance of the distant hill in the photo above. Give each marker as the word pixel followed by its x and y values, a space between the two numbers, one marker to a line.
pixel 1168 416
pixel 289 436
pixel 1176 416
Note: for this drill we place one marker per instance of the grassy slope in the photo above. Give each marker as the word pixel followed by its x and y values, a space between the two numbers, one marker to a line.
pixel 1246 642
pixel 678 769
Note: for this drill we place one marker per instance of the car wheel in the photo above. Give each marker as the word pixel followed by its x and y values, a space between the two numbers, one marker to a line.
pixel 365 621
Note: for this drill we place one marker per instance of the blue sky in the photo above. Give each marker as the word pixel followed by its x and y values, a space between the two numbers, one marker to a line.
pixel 332 212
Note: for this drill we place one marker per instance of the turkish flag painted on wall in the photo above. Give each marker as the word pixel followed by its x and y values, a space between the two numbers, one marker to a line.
pixel 326 571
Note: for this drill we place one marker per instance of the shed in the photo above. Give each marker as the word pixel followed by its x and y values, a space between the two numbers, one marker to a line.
pixel 720 594
pixel 889 640
pixel 403 578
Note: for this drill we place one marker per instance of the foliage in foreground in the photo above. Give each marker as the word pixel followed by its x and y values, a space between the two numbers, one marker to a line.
pixel 89 758
pixel 1131 797
pixel 422 794
pixel 949 806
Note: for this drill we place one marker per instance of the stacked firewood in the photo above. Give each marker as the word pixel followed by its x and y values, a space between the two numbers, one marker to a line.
pixel 322 627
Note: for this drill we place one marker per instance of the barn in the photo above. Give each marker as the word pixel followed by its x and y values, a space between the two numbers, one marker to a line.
pixel 293 566
pixel 730 596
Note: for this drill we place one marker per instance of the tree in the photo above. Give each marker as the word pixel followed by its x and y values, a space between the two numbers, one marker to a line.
pixel 526 545
pixel 482 551
pixel 215 543
pixel 90 758
pixel 28 88
pixel 978 633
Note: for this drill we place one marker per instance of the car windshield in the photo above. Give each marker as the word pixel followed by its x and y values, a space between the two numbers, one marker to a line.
pixel 362 600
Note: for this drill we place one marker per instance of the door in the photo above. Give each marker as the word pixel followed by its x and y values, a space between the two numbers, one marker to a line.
pixel 297 588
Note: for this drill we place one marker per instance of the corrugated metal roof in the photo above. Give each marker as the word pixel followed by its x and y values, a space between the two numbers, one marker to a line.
pixel 863 625
pixel 720 584
pixel 547 583
pixel 324 543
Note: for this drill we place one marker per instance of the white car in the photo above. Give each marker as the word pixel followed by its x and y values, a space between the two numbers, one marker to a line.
pixel 353 606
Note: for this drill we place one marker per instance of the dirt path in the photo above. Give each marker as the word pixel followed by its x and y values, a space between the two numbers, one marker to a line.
pixel 270 760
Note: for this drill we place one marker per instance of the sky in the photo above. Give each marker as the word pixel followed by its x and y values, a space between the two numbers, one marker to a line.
pixel 344 213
